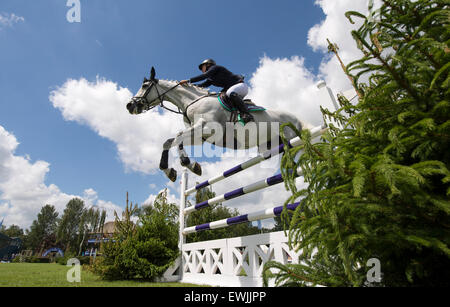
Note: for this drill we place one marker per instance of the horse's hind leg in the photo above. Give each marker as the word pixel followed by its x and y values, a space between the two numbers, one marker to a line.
pixel 186 161
pixel 164 164
pixel 191 136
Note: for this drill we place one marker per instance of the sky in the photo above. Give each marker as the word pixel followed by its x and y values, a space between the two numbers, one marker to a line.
pixel 64 129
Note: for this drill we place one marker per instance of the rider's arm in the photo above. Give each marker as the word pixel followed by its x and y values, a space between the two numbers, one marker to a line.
pixel 209 75
pixel 202 77
pixel 198 78
pixel 206 83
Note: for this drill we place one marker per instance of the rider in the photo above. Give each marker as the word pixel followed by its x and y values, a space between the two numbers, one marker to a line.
pixel 232 84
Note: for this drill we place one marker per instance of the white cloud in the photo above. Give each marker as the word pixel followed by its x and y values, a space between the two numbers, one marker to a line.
pixel 337 28
pixel 91 199
pixel 285 84
pixel 23 191
pixel 8 20
pixel 101 105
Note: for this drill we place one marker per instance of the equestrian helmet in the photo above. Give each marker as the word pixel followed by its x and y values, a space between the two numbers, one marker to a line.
pixel 208 61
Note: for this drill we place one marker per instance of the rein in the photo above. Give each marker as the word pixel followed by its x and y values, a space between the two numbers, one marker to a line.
pixel 193 102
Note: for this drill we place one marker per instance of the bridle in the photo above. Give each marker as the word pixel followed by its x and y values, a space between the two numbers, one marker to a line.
pixel 143 99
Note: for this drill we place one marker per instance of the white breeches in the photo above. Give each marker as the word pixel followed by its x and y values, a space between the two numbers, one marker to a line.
pixel 241 89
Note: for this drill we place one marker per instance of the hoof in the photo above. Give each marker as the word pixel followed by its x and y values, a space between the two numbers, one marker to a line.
pixel 197 169
pixel 185 161
pixel 172 175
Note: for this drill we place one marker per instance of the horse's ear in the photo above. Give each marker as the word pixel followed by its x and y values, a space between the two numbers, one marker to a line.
pixel 145 80
pixel 152 73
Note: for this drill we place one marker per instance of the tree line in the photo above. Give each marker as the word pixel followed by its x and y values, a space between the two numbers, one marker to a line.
pixel 145 239
pixel 68 232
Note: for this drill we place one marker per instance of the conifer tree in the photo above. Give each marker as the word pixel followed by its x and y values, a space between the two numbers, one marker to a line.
pixel 125 228
pixel 43 229
pixel 379 186
pixel 144 249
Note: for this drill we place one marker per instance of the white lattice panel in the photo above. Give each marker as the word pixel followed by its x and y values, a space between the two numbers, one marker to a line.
pixel 235 262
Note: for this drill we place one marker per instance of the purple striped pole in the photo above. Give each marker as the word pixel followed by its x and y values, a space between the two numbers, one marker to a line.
pixel 262 184
pixel 315 132
pixel 256 216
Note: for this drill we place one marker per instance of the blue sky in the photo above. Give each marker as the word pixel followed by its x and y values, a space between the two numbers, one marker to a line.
pixel 119 41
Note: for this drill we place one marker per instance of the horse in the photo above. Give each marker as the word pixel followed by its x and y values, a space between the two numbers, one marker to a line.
pixel 206 120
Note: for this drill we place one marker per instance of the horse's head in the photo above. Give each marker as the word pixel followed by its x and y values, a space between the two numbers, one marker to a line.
pixel 147 97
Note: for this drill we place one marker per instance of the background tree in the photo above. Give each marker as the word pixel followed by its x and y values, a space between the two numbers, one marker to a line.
pixel 42 232
pixel 280 223
pixel 92 221
pixel 71 225
pixel 379 187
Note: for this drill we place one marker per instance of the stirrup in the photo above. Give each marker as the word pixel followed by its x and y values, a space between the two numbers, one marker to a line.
pixel 247 117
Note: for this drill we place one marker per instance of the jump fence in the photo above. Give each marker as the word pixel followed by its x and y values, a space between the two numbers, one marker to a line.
pixel 237 261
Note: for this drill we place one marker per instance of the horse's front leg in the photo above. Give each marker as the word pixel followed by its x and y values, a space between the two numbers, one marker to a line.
pixel 193 136
pixel 164 163
pixel 189 134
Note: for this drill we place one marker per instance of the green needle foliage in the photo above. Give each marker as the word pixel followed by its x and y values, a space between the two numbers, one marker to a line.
pixel 379 184
pixel 142 250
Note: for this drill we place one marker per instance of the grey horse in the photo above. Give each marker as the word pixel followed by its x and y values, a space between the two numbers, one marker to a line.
pixel 206 120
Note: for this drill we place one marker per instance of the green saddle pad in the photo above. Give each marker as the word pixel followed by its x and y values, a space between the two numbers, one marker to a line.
pixel 250 107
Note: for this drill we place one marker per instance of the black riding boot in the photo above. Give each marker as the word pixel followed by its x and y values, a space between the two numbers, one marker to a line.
pixel 239 104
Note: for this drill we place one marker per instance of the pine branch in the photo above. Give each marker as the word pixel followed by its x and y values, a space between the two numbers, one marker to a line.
pixel 334 48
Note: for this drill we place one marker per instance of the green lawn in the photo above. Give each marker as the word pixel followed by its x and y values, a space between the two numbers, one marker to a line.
pixel 54 275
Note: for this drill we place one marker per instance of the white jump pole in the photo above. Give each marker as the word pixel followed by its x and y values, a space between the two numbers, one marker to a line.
pixel 183 197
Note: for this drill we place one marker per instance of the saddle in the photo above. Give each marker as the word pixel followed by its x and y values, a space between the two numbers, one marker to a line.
pixel 226 103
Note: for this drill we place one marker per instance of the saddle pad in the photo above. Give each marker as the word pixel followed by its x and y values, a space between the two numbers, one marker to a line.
pixel 250 107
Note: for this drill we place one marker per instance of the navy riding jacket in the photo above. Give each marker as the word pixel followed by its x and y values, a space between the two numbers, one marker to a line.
pixel 218 76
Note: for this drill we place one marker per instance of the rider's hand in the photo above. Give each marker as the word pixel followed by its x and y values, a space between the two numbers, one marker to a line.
pixel 182 82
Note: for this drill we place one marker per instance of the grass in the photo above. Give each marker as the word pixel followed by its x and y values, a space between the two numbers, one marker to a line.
pixel 54 275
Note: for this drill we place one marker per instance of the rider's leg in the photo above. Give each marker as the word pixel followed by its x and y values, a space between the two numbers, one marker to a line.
pixel 241 89
pixel 237 94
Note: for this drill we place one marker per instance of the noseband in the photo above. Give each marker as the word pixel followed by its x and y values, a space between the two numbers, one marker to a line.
pixel 143 99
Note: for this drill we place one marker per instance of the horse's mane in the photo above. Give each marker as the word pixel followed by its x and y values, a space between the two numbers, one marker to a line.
pixel 202 90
